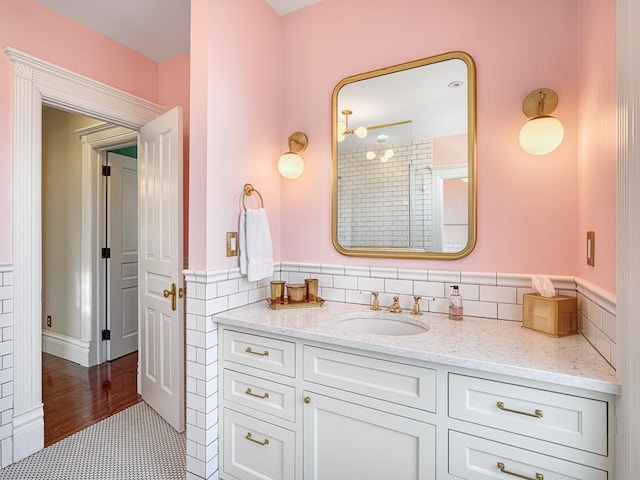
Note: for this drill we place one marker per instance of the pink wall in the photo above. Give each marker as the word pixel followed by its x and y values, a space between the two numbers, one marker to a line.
pixel 236 135
pixel 173 90
pixel 35 29
pixel 597 140
pixel 528 214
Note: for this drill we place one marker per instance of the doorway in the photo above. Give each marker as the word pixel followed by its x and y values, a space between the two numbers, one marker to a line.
pixel 88 327
pixel 51 85
pixel 78 388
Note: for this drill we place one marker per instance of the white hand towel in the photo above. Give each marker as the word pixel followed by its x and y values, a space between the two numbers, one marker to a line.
pixel 255 237
pixel 242 242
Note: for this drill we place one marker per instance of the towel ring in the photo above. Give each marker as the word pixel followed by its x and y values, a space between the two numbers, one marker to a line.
pixel 248 191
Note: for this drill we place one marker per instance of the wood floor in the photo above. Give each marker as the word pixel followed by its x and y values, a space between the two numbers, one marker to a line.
pixel 75 397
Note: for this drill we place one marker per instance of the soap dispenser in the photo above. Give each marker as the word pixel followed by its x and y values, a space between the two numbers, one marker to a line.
pixel 455 304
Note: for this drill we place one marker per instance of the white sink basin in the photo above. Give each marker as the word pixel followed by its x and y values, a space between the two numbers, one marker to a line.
pixel 382 323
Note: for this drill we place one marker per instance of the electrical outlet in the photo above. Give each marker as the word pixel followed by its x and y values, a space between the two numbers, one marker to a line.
pixel 49 321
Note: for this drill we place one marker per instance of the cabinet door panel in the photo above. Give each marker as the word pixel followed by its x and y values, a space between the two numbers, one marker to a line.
pixel 475 458
pixel 347 441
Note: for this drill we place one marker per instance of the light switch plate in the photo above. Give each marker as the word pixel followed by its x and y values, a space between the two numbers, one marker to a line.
pixel 591 248
pixel 232 244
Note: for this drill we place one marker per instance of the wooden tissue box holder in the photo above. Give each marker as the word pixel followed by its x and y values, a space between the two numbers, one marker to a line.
pixel 556 316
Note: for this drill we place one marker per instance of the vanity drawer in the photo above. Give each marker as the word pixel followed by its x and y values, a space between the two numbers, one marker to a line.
pixel 266 353
pixel 257 450
pixel 394 382
pixel 260 394
pixel 475 458
pixel 570 420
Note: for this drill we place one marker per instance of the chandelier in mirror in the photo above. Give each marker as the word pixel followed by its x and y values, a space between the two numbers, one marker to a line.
pixel 343 128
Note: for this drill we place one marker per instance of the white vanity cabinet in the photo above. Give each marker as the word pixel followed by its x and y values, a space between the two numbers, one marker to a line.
pixel 293 408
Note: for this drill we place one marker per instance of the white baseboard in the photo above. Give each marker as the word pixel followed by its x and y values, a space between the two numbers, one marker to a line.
pixel 28 433
pixel 66 347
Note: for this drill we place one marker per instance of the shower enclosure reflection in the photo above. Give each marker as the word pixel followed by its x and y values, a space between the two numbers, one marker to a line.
pixel 416 200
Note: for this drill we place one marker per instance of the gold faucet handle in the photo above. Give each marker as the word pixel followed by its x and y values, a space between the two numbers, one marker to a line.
pixel 416 305
pixel 376 302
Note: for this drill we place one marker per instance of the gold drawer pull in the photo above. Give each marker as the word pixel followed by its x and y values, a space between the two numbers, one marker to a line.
pixel 263 443
pixel 537 413
pixel 263 354
pixel 249 392
pixel 501 467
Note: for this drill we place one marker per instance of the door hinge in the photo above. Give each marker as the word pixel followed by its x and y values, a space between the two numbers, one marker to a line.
pixel 106 334
pixel 106 170
pixel 106 253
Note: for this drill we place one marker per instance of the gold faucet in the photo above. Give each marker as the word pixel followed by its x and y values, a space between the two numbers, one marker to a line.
pixel 376 303
pixel 395 306
pixel 416 305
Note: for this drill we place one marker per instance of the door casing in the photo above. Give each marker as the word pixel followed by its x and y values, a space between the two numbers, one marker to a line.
pixel 37 83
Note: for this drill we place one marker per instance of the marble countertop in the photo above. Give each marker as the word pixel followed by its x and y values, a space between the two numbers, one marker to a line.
pixel 490 345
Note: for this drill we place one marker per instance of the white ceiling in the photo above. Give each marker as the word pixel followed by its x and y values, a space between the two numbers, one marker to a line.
pixel 421 95
pixel 158 29
pixel 283 7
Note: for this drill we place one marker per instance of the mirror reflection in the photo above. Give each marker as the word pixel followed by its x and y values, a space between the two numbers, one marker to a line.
pixel 403 143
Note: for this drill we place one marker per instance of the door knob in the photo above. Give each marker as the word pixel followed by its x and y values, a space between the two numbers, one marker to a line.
pixel 171 293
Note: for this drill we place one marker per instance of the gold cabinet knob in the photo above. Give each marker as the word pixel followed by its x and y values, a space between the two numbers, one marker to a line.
pixel 307 400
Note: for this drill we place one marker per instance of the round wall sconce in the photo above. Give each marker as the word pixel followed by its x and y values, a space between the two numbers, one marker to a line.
pixel 543 133
pixel 291 163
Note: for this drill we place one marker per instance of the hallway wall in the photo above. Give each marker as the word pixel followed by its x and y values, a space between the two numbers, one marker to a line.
pixel 62 222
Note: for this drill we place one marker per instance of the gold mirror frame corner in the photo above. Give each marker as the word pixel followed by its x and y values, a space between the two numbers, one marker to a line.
pixel 472 159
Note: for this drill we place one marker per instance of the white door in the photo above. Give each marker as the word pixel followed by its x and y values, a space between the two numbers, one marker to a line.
pixel 122 266
pixel 161 359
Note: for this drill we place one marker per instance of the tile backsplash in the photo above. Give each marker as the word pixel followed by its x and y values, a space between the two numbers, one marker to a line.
pixel 489 295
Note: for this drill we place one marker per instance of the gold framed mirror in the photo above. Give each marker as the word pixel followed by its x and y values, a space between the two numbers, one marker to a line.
pixel 404 160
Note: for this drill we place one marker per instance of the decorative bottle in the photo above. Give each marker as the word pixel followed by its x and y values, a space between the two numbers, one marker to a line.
pixel 455 304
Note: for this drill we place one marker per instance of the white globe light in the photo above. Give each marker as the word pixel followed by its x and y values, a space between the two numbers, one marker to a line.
pixel 384 159
pixel 290 165
pixel 361 132
pixel 388 153
pixel 541 135
pixel 370 155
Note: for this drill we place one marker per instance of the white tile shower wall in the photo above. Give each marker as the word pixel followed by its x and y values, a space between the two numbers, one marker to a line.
pixel 6 365
pixel 375 190
pixel 208 294
pixel 597 319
